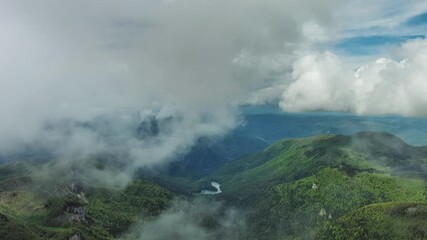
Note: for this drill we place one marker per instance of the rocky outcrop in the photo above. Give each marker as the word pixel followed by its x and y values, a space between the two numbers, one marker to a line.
pixel 314 186
pixel 76 187
pixel 75 237
pixel 75 210
pixel 411 211
pixel 3 218
pixel 77 214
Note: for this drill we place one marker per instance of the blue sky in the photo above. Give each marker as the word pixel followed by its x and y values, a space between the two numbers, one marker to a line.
pixel 418 20
pixel 372 45
pixel 373 28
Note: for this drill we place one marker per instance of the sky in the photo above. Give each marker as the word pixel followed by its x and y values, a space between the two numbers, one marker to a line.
pixel 373 64
pixel 78 78
pixel 379 26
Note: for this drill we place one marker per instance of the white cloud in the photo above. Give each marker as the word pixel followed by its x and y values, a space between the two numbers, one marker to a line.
pixel 74 74
pixel 319 82
pixel 314 32
pixel 385 86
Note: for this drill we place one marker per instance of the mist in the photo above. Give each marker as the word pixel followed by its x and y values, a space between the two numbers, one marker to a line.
pixel 198 219
pixel 78 79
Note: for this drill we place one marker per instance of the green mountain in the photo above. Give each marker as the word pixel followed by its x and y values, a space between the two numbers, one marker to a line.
pixel 363 186
pixel 393 220
pixel 293 159
pixel 296 186
pixel 29 210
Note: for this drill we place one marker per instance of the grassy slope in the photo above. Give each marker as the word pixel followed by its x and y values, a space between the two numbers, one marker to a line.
pixel 394 220
pixel 109 212
pixel 285 161
pixel 116 211
pixel 297 205
pixel 350 172
pixel 291 160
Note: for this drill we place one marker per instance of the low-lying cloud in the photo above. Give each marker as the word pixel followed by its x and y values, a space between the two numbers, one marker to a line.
pixel 77 79
pixel 200 219
pixel 386 86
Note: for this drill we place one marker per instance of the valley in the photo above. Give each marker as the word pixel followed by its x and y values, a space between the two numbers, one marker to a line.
pixel 307 188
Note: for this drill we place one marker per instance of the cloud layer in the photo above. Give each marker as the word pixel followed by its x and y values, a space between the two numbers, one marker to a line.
pixel 385 86
pixel 78 79
pixel 76 87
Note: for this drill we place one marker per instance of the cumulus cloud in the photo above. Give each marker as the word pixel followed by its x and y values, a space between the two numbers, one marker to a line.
pixel 77 78
pixel 385 86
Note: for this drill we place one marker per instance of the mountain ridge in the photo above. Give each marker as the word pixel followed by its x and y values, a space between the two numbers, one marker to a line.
pixel 295 188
